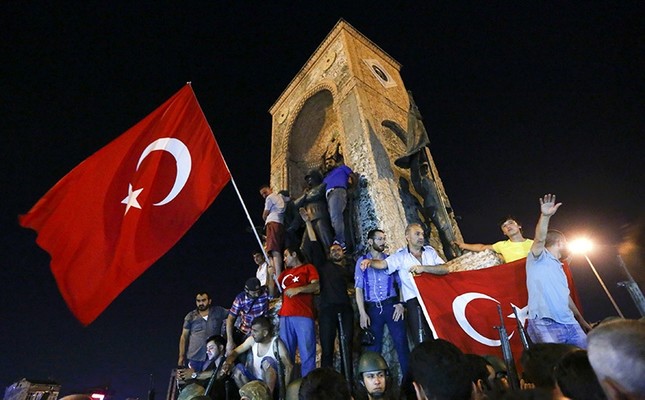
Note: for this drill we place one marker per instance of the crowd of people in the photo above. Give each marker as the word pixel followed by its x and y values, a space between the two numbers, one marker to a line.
pixel 237 353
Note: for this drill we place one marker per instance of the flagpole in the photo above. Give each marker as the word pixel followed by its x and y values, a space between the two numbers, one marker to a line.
pixel 248 216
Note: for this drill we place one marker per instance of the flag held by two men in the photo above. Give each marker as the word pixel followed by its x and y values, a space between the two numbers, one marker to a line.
pixel 120 210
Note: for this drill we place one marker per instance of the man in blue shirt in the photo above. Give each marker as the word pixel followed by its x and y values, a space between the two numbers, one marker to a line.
pixel 553 317
pixel 339 177
pixel 378 300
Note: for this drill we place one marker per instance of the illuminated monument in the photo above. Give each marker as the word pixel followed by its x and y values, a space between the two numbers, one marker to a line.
pixel 349 100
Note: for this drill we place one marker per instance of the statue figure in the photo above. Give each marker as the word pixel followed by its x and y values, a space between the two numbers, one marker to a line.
pixel 417 160
pixel 314 201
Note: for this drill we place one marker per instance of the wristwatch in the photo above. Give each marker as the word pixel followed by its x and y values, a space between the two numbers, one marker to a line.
pixel 194 375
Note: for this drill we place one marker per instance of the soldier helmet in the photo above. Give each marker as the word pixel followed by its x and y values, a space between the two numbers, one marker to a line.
pixel 371 361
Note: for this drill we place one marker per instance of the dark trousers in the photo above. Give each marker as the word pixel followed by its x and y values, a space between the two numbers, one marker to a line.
pixel 379 317
pixel 414 317
pixel 328 326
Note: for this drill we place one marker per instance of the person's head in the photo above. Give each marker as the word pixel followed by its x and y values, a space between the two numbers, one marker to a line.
pixel 215 346
pixel 617 355
pixel 556 243
pixel 313 178
pixel 265 190
pixel 414 235
pixel 324 384
pixel 252 287
pixel 285 194
pixel 293 256
pixel 376 240
pixel 203 301
pixel 330 162
pixel 575 377
pixel 482 373
pixel 258 258
pixel 373 374
pixel 336 253
pixel 255 390
pixel 538 362
pixel 510 226
pixel 261 329
pixel 440 371
pixel 501 383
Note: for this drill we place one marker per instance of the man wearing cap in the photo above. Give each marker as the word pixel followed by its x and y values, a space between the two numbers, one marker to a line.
pixel 373 377
pixel 514 248
pixel 249 304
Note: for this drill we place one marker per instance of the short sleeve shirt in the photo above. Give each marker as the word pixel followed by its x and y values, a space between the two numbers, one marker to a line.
pixel 402 260
pixel 512 251
pixel 301 305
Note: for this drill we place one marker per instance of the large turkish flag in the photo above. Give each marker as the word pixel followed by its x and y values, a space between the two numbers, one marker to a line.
pixel 120 210
pixel 462 306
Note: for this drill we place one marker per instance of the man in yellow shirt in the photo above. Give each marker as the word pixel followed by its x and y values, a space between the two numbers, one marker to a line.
pixel 514 248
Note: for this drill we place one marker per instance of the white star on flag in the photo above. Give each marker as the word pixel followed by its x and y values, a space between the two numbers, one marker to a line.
pixel 131 199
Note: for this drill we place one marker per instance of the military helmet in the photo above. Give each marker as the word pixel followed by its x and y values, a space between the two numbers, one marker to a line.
pixel 371 361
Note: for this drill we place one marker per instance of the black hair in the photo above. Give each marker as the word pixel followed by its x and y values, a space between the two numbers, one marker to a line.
pixel 372 233
pixel 264 322
pixel 324 384
pixel 441 369
pixel 296 249
pixel 576 377
pixel 218 339
pixel 538 362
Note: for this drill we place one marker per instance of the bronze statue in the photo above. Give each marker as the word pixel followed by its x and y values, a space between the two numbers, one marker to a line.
pixel 416 158
pixel 315 204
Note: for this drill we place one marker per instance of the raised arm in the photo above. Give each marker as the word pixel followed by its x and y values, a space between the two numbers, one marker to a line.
pixel 473 246
pixel 548 208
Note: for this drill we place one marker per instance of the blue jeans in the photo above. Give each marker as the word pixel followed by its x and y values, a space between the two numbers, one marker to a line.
pixel 546 330
pixel 300 331
pixel 336 202
pixel 379 317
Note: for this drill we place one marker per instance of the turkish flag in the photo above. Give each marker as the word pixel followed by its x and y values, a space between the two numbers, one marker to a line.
pixel 462 306
pixel 120 210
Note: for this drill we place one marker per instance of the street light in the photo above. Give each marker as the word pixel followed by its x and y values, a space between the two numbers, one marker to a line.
pixel 583 246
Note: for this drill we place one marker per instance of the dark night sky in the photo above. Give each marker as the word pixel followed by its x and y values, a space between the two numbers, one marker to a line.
pixel 518 100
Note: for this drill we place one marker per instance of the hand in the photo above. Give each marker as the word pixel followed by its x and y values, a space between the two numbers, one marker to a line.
pixel 303 214
pixel 226 368
pixel 548 206
pixel 458 244
pixel 417 269
pixel 526 385
pixel 185 373
pixel 364 321
pixel 399 312
pixel 292 292
pixel 365 264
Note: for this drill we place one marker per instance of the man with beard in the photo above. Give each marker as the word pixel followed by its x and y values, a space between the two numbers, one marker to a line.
pixel 198 380
pixel 265 352
pixel 378 300
pixel 199 324
pixel 334 300
pixel 415 258
pixel 553 317
pixel 373 377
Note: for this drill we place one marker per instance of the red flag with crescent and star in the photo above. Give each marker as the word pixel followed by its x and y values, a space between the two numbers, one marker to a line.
pixel 120 210
pixel 462 306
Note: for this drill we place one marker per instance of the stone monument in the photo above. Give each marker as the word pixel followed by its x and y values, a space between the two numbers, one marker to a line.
pixel 336 105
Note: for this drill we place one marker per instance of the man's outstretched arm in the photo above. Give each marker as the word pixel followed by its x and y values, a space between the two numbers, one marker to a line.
pixel 548 208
